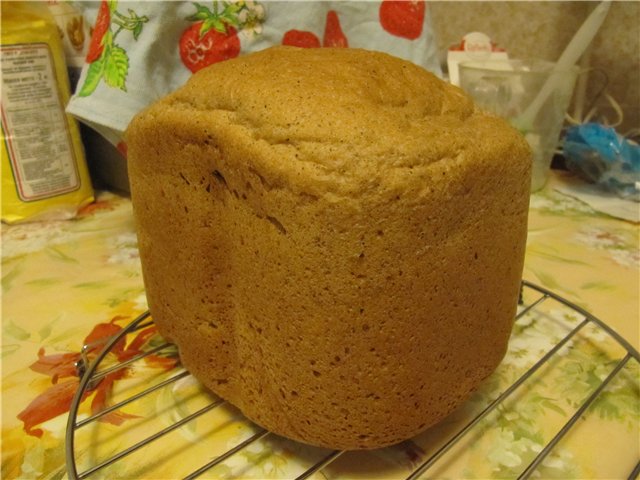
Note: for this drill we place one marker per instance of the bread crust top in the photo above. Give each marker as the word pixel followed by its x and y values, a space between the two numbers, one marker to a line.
pixel 334 121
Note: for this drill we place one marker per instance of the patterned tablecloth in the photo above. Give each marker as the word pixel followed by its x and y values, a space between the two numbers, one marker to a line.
pixel 68 283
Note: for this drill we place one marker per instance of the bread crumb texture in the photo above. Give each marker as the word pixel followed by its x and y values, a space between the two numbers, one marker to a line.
pixel 334 239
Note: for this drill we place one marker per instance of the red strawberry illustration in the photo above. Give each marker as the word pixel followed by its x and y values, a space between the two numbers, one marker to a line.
pixel 103 21
pixel 333 34
pixel 402 18
pixel 213 37
pixel 198 50
pixel 300 38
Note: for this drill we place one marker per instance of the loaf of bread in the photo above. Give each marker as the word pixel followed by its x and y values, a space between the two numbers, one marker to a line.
pixel 334 239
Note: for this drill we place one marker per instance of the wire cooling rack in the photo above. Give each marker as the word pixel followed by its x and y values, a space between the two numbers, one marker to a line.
pixel 533 298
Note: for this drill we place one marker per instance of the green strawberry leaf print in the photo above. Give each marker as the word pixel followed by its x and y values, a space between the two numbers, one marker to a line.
pixel 107 60
pixel 202 13
pixel 137 30
pixel 216 19
pixel 116 68
pixel 213 23
pixel 94 75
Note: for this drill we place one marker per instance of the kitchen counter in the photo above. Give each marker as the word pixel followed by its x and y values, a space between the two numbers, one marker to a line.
pixel 65 283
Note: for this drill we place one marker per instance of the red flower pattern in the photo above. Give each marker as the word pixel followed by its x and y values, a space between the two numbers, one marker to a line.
pixel 56 400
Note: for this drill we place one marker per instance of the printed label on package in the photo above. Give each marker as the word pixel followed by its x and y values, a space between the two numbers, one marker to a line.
pixel 35 126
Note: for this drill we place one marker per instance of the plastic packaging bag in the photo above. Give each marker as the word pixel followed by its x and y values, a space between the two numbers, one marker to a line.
pixel 44 171
pixel 601 156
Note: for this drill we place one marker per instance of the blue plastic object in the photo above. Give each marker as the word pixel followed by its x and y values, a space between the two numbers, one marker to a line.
pixel 602 156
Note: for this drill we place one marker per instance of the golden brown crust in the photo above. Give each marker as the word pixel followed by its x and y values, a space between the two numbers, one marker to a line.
pixel 333 237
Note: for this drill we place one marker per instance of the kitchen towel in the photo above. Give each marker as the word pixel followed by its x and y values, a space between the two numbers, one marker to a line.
pixel 140 51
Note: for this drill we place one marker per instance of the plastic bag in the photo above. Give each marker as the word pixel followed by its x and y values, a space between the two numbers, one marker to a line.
pixel 601 156
pixel 44 171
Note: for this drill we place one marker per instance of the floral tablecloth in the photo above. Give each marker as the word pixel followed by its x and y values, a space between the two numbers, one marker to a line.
pixel 68 283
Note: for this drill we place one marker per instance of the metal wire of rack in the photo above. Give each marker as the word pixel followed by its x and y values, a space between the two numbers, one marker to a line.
pixel 91 375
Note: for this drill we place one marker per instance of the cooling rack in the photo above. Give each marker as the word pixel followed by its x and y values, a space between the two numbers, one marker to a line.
pixel 571 325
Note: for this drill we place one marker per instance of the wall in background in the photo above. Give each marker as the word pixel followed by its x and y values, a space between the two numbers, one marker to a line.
pixel 543 29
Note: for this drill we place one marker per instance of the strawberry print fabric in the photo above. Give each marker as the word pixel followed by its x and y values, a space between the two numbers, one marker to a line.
pixel 140 51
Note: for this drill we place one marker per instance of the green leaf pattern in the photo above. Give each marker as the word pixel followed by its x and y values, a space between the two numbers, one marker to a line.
pixel 571 377
pixel 93 77
pixel 113 65
pixel 116 68
pixel 15 332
